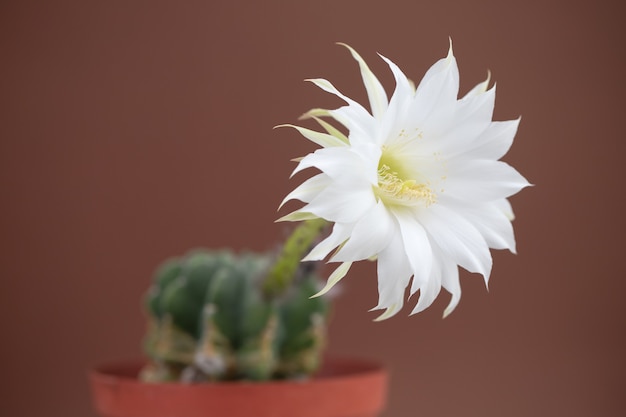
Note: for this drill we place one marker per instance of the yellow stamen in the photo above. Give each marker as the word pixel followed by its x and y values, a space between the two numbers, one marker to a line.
pixel 394 189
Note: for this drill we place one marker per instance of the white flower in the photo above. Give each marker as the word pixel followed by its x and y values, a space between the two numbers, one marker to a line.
pixel 417 184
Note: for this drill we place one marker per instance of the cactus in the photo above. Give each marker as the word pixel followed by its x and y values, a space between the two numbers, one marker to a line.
pixel 211 318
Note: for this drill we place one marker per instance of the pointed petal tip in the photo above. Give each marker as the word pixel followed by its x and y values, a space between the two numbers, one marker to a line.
pixel 389 312
pixel 336 276
pixel 312 256
pixel 447 312
pixel 317 112
pixel 352 51
pixel 317 81
pixel 486 279
pixel 454 302
pixel 296 216
pixel 486 83
pixel 417 310
pixel 282 218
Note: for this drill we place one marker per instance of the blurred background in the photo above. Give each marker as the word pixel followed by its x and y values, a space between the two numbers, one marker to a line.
pixel 132 131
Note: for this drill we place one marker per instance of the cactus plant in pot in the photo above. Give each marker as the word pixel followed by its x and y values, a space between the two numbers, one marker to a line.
pixel 416 185
pixel 214 316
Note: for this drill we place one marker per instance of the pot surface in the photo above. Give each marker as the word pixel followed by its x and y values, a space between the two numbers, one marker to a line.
pixel 342 388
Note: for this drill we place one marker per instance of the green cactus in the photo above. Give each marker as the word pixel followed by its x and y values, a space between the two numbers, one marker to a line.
pixel 211 318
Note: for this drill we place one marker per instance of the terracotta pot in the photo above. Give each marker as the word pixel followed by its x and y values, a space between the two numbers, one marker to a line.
pixel 343 388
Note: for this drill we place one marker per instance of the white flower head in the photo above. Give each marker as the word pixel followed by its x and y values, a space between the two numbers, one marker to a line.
pixel 416 184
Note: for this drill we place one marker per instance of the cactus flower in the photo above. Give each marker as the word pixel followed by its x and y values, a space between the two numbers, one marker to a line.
pixel 416 184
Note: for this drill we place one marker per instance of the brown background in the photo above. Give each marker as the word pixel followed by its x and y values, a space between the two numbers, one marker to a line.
pixel 131 131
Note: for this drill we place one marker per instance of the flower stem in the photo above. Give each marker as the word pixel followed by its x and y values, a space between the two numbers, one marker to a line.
pixel 284 269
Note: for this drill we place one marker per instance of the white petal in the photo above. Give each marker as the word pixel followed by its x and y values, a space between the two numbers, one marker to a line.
pixel 390 311
pixel 505 206
pixel 344 204
pixel 308 190
pixel 297 216
pixel 472 117
pixel 353 116
pixel 328 87
pixel 331 129
pixel 450 281
pixel 416 245
pixel 369 236
pixel 429 290
pixel 317 112
pixel 479 88
pixel 482 180
pixel 424 264
pixel 362 127
pixel 496 140
pixel 375 91
pixel 403 93
pixel 322 139
pixel 438 89
pixel 334 278
pixel 394 274
pixel 458 239
pixel 493 225
pixel 338 235
pixel 340 163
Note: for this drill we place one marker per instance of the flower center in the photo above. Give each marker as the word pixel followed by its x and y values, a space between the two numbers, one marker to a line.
pixel 394 190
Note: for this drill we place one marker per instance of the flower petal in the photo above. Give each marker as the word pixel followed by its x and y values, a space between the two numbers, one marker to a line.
pixel 375 91
pixel 322 139
pixel 429 289
pixel 472 117
pixel 505 206
pixel 353 116
pixel 341 164
pixel 358 112
pixel 363 128
pixel 308 189
pixel 343 204
pixel 332 130
pixel 334 278
pixel 495 141
pixel 493 224
pixel 450 281
pixel 297 216
pixel 437 90
pixel 416 245
pixel 482 180
pixel 391 123
pixel 339 234
pixel 390 312
pixel 458 239
pixel 479 88
pixel 370 235
pixel 394 274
